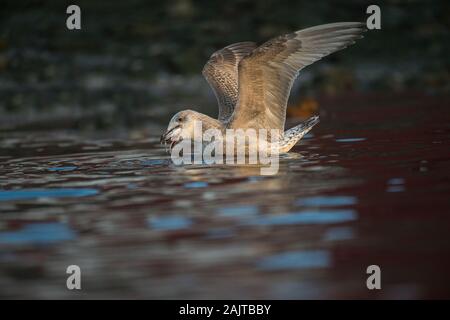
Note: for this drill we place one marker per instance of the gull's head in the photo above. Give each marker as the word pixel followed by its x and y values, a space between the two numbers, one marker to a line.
pixel 180 127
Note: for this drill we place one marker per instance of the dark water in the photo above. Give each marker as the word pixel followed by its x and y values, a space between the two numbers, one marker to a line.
pixel 369 185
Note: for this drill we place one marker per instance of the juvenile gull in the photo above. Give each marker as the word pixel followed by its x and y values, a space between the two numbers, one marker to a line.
pixel 252 84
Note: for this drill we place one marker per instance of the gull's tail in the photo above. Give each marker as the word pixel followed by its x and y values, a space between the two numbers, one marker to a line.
pixel 293 135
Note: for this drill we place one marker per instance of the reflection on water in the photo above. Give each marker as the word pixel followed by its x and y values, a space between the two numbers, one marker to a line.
pixel 328 201
pixel 308 217
pixel 395 185
pixel 38 233
pixel 169 223
pixel 62 168
pixel 238 211
pixel 362 189
pixel 350 139
pixel 339 233
pixel 44 193
pixel 297 260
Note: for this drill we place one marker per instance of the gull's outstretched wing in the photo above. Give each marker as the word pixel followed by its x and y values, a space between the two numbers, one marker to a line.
pixel 267 74
pixel 221 72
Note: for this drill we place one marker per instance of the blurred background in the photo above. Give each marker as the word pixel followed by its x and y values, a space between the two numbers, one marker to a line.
pixel 84 180
pixel 135 63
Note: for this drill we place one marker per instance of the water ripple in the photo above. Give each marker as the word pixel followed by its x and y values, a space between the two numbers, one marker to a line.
pixel 24 194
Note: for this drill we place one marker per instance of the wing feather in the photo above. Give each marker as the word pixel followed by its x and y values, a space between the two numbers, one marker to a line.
pixel 221 72
pixel 267 74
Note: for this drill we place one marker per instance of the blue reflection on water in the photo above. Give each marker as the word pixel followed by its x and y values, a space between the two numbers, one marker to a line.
pixel 38 233
pixel 196 184
pixel 395 189
pixel 169 223
pixel 350 139
pixel 339 233
pixel 396 181
pixel 396 185
pixel 6 195
pixel 238 211
pixel 296 260
pixel 68 168
pixel 219 233
pixel 153 162
pixel 306 217
pixel 327 201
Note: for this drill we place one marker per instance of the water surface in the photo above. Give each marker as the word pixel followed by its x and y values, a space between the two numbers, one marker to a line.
pixel 370 185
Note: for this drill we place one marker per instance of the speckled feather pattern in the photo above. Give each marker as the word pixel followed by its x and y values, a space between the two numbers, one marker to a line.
pixel 252 84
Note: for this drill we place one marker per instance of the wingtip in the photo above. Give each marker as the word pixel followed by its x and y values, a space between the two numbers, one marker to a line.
pixel 312 121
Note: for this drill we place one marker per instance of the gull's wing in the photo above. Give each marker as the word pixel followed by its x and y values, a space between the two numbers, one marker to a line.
pixel 221 72
pixel 267 74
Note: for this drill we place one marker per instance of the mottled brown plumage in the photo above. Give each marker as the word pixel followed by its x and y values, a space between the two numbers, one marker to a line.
pixel 252 84
pixel 221 72
pixel 267 74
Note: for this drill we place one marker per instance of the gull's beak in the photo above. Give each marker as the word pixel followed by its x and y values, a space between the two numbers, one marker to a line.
pixel 165 137
pixel 168 136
